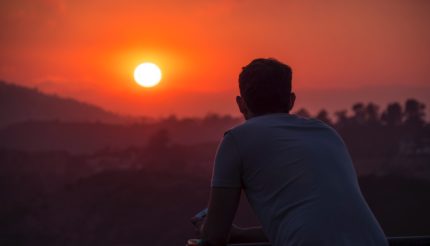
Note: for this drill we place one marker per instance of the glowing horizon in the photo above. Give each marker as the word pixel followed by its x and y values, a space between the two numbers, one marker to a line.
pixel 373 51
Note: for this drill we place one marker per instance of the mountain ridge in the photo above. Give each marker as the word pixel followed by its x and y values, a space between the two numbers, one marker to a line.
pixel 19 103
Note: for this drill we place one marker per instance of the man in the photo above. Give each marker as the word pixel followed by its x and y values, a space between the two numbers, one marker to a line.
pixel 296 173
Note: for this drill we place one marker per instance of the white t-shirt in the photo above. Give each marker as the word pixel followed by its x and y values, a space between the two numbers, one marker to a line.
pixel 298 177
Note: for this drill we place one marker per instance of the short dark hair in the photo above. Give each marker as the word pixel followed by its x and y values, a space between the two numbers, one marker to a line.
pixel 265 85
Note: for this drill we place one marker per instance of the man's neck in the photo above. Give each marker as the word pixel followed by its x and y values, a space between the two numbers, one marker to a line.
pixel 252 115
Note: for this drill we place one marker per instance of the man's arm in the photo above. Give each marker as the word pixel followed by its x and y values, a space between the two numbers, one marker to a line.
pixel 223 203
pixel 247 235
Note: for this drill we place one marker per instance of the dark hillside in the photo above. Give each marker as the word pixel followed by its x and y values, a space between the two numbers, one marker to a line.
pixel 18 103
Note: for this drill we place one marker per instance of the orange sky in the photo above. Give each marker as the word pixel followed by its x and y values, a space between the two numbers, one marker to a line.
pixel 341 51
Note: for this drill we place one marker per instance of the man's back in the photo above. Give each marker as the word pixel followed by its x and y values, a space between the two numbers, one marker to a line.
pixel 299 178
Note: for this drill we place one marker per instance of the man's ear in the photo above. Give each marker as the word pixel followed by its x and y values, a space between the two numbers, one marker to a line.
pixel 292 100
pixel 241 104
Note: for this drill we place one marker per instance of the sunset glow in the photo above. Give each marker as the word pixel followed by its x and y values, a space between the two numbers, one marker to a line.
pixel 357 50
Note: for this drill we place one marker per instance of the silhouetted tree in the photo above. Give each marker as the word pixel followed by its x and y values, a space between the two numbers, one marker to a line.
pixel 303 113
pixel 414 113
pixel 159 141
pixel 323 116
pixel 342 118
pixel 359 116
pixel 211 118
pixel 372 114
pixel 393 115
pixel 171 119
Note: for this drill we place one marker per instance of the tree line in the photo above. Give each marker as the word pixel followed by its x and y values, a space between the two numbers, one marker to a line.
pixel 410 114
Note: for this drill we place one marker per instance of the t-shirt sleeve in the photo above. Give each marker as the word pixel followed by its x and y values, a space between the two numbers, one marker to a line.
pixel 227 166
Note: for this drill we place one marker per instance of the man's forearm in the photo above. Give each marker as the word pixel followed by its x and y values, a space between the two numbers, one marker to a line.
pixel 223 203
pixel 247 235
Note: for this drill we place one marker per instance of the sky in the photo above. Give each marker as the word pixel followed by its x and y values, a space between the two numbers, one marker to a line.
pixel 341 51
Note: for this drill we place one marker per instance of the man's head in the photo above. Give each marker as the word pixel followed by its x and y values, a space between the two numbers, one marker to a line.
pixel 265 88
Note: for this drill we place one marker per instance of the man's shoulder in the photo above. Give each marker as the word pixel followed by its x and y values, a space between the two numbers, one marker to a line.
pixel 277 122
pixel 238 128
pixel 278 119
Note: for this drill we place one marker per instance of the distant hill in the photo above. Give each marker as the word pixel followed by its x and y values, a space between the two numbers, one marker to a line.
pixel 18 104
pixel 87 137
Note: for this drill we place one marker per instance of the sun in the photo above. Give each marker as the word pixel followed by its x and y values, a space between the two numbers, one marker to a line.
pixel 147 74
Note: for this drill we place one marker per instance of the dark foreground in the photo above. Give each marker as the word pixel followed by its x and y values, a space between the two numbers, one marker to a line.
pixel 70 202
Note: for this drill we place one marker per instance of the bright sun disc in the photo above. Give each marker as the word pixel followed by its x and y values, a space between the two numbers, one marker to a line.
pixel 147 74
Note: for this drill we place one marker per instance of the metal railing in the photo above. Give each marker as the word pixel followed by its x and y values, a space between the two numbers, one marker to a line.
pixel 410 241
